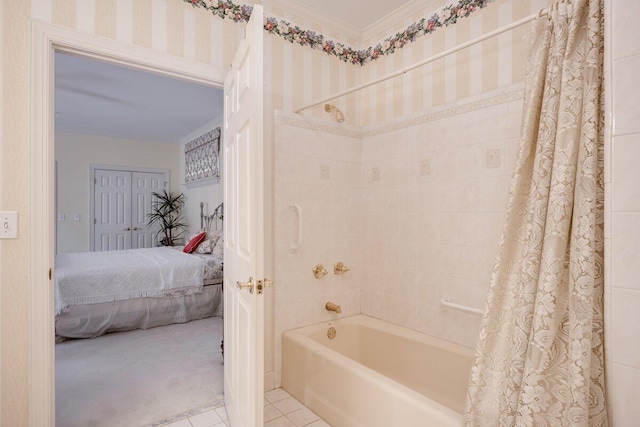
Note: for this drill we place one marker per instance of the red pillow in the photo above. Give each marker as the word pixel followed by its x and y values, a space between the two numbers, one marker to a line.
pixel 193 243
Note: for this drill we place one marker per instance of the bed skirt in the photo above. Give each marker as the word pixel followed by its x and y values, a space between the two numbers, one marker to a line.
pixel 93 320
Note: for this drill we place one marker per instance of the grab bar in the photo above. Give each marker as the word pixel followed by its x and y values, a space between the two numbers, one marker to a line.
pixel 296 245
pixel 446 301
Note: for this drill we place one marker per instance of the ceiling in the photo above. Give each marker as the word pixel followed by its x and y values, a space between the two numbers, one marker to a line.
pixel 101 98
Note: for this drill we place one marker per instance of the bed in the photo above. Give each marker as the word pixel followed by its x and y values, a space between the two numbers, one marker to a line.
pixel 115 291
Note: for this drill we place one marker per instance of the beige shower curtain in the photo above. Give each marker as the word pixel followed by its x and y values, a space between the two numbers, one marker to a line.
pixel 540 354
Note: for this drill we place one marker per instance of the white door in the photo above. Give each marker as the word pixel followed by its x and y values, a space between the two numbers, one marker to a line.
pixel 122 200
pixel 244 231
pixel 112 210
pixel 143 185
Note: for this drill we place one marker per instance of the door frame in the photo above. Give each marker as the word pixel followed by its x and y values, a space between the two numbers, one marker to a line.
pixel 92 190
pixel 46 39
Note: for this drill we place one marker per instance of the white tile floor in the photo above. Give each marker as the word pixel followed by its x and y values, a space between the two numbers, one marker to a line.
pixel 280 410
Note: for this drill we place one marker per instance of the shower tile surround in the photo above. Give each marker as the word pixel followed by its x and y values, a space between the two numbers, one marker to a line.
pixel 320 171
pixel 622 211
pixel 415 208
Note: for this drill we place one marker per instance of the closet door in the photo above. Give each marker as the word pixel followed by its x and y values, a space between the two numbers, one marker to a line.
pixel 143 185
pixel 112 210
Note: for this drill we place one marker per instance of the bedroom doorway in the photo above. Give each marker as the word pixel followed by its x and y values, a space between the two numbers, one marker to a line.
pixel 46 41
pixel 142 325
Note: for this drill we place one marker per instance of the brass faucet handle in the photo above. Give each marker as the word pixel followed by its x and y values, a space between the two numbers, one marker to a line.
pixel 340 268
pixel 319 271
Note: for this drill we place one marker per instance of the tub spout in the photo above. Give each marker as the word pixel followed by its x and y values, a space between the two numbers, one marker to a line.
pixel 333 307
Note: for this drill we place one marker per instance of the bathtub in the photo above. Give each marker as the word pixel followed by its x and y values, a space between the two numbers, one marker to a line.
pixel 374 373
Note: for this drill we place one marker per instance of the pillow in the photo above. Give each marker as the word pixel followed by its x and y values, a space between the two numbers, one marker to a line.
pixel 206 247
pixel 218 249
pixel 195 234
pixel 194 242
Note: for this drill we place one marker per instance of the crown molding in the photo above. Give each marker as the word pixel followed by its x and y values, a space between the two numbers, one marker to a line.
pixel 328 22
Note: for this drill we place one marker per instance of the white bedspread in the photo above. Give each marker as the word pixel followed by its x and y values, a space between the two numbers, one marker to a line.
pixel 95 277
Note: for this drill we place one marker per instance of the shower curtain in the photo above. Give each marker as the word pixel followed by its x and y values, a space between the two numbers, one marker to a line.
pixel 540 354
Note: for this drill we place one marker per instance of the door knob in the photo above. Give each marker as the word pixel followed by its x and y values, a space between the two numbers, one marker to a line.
pixel 127 229
pixel 249 284
pixel 135 228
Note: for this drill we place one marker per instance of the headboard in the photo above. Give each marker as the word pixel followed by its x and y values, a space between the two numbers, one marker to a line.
pixel 206 220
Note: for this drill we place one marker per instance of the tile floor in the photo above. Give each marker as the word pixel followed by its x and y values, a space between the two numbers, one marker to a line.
pixel 280 410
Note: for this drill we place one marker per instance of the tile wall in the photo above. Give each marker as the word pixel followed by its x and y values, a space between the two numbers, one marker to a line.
pixel 434 194
pixel 318 168
pixel 414 208
pixel 622 215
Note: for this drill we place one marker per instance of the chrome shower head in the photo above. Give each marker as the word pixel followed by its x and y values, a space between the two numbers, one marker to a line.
pixel 339 116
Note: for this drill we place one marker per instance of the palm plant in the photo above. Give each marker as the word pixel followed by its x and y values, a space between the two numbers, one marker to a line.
pixel 166 211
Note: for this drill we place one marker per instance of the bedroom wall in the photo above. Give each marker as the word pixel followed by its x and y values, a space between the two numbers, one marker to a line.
pixel 75 152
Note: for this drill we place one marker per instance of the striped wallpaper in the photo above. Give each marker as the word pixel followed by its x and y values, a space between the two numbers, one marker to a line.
pixel 303 76
pixel 496 63
pixel 299 75
pixel 169 26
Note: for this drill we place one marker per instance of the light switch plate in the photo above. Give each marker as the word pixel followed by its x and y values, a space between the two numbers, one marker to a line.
pixel 8 225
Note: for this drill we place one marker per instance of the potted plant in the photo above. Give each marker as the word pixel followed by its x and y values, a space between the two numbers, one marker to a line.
pixel 166 211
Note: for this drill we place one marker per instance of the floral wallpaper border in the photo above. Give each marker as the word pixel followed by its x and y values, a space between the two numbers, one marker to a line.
pixel 449 15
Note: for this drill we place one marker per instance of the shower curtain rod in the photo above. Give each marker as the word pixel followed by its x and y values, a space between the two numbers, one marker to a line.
pixel 541 13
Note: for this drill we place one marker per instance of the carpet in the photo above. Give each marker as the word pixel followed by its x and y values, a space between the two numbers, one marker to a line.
pixel 141 377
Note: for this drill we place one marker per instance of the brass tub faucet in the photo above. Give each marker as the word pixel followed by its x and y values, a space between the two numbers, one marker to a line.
pixel 333 307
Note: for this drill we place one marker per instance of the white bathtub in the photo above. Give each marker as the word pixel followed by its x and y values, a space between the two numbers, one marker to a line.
pixel 374 373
